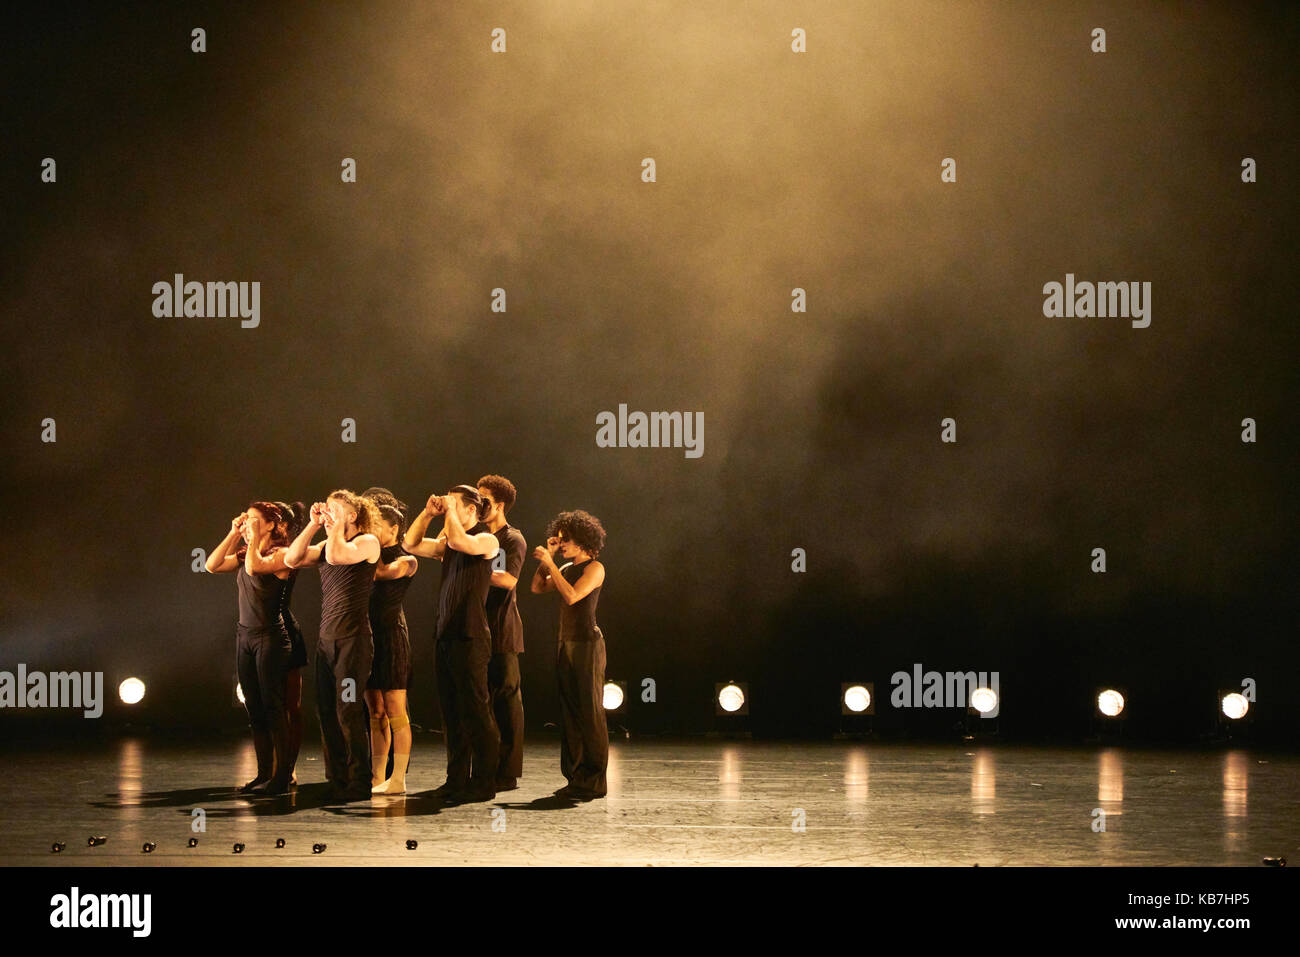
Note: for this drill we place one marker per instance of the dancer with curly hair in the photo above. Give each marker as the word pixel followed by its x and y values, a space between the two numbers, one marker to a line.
pixel 580 661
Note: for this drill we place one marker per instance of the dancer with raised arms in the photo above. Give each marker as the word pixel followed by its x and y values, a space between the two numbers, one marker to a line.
pixel 345 650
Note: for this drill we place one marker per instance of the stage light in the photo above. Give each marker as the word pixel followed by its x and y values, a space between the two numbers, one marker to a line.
pixel 412 845
pixel 731 698
pixel 148 847
pixel 58 846
pixel 614 695
pixel 131 691
pixel 856 698
pixel 983 700
pixel 279 842
pixel 194 842
pixel 239 848
pixel 1110 703
pixel 94 841
pixel 1234 706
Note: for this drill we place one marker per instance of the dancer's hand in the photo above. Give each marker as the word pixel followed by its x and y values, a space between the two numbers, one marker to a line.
pixel 318 512
pixel 435 505
pixel 237 523
pixel 543 556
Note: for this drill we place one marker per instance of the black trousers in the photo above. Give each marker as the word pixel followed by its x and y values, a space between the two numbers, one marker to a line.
pixel 473 742
pixel 261 661
pixel 344 718
pixel 508 709
pixel 584 745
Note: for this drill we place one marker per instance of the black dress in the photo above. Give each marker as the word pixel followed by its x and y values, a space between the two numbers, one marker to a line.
pixel 392 668
pixel 298 645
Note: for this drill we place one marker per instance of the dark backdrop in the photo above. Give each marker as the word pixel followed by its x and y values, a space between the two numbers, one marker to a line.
pixel 775 171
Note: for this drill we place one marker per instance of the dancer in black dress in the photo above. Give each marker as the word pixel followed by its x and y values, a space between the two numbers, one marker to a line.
pixel 499 494
pixel 386 690
pixel 580 663
pixel 295 517
pixel 347 560
pixel 262 646
pixel 463 641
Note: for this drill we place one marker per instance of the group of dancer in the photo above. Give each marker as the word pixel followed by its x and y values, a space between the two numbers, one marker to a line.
pixel 367 561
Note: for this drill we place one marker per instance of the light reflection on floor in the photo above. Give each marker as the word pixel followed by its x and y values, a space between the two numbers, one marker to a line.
pixel 676 802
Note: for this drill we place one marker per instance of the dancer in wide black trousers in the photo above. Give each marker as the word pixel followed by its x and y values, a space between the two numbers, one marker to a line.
pixel 344 653
pixel 580 661
pixel 262 646
pixel 463 643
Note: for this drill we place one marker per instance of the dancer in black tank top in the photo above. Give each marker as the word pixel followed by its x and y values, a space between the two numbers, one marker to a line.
pixel 580 661
pixel 294 518
pixel 391 671
pixel 463 641
pixel 262 646
pixel 347 560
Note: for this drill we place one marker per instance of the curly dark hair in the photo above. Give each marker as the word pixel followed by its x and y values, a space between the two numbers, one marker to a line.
pixel 582 527
pixel 502 489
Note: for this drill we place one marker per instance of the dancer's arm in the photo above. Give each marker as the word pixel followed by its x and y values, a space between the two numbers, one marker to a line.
pixel 363 548
pixel 415 542
pixel 515 549
pixel 255 563
pixel 484 544
pixel 545 556
pixel 400 567
pixel 303 554
pixel 592 575
pixel 223 557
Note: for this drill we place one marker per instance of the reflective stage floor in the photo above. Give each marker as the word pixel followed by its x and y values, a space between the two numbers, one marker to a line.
pixel 671 802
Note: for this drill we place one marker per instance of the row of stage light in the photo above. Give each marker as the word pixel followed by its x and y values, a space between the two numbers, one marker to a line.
pixel 855 699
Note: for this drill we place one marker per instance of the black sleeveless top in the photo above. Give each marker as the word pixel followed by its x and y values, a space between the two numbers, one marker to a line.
pixel 345 598
pixel 259 599
pixel 578 621
pixel 386 612
pixel 463 593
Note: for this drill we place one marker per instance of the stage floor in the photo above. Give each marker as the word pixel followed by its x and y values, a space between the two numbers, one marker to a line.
pixel 672 802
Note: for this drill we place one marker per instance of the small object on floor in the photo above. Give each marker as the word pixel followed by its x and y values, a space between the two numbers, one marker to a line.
pixel 318 848
pixel 279 842
pixel 96 841
pixel 412 845
pixel 57 846
pixel 194 842
pixel 239 848
pixel 148 847
pixel 1275 862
